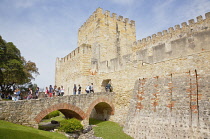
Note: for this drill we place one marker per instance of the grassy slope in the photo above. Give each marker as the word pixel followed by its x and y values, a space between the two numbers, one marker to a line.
pixel 13 131
pixel 108 130
pixel 105 129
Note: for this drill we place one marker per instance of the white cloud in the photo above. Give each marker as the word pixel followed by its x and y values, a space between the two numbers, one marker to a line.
pixel 169 13
pixel 123 2
pixel 194 9
pixel 25 3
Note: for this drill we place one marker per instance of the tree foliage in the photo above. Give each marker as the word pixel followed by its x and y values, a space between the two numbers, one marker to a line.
pixel 14 69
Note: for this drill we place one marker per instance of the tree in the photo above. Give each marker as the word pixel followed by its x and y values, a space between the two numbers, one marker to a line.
pixel 14 69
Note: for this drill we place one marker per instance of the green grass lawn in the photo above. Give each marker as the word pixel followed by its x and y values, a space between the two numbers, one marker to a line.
pixel 108 130
pixel 13 131
pixel 57 118
pixel 105 129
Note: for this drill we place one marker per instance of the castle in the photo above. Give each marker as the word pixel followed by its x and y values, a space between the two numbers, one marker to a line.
pixel 162 82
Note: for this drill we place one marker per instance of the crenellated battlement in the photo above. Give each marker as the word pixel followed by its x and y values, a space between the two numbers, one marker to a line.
pixel 100 14
pixel 149 44
pixel 175 32
pixel 178 41
pixel 76 53
pixel 104 29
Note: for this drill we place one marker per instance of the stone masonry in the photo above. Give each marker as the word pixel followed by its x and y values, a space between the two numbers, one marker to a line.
pixel 161 82
pixel 31 112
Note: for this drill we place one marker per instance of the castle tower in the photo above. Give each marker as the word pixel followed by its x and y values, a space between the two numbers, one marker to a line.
pixel 110 37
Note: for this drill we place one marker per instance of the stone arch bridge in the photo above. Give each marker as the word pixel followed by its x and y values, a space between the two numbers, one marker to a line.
pixel 83 106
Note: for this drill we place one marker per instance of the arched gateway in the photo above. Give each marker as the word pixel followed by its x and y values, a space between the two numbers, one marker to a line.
pixel 82 107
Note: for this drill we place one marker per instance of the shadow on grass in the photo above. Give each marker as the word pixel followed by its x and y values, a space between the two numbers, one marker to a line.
pixel 18 134
pixel 94 121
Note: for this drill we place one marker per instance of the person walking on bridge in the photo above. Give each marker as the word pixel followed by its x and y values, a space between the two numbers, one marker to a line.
pixel 55 89
pixel 30 94
pixel 50 91
pixel 74 89
pixel 79 89
pixel 87 89
pixel 91 88
pixel 62 90
pixel 47 92
pixel 37 93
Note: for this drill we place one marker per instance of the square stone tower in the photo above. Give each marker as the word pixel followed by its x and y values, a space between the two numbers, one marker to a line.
pixel 102 41
pixel 110 37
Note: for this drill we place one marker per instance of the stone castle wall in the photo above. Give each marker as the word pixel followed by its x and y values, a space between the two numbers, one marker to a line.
pixel 175 106
pixel 169 61
pixel 73 67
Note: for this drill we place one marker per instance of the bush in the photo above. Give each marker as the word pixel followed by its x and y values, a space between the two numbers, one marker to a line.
pixel 52 114
pixel 70 125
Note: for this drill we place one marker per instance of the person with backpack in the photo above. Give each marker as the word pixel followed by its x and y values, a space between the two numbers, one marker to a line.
pixel 79 89
pixel 50 91
pixel 91 88
pixel 87 89
pixel 108 88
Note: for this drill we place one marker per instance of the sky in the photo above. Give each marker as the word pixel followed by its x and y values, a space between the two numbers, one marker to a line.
pixel 46 29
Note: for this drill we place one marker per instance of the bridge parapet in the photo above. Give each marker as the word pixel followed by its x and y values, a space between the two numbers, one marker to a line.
pixel 31 112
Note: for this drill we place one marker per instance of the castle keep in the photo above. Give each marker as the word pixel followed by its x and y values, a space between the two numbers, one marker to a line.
pixel 162 82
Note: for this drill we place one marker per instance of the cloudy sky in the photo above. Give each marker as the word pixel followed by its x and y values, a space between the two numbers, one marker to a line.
pixel 45 29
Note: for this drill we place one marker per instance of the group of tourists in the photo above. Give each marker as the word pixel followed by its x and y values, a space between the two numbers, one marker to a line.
pixel 4 96
pixel 54 91
pixel 75 90
pixel 49 92
pixel 17 95
pixel 88 89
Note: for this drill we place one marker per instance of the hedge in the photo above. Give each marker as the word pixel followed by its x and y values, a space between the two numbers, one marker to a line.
pixel 52 114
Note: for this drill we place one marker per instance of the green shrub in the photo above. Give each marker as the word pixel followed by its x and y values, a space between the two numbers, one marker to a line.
pixel 70 125
pixel 52 114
